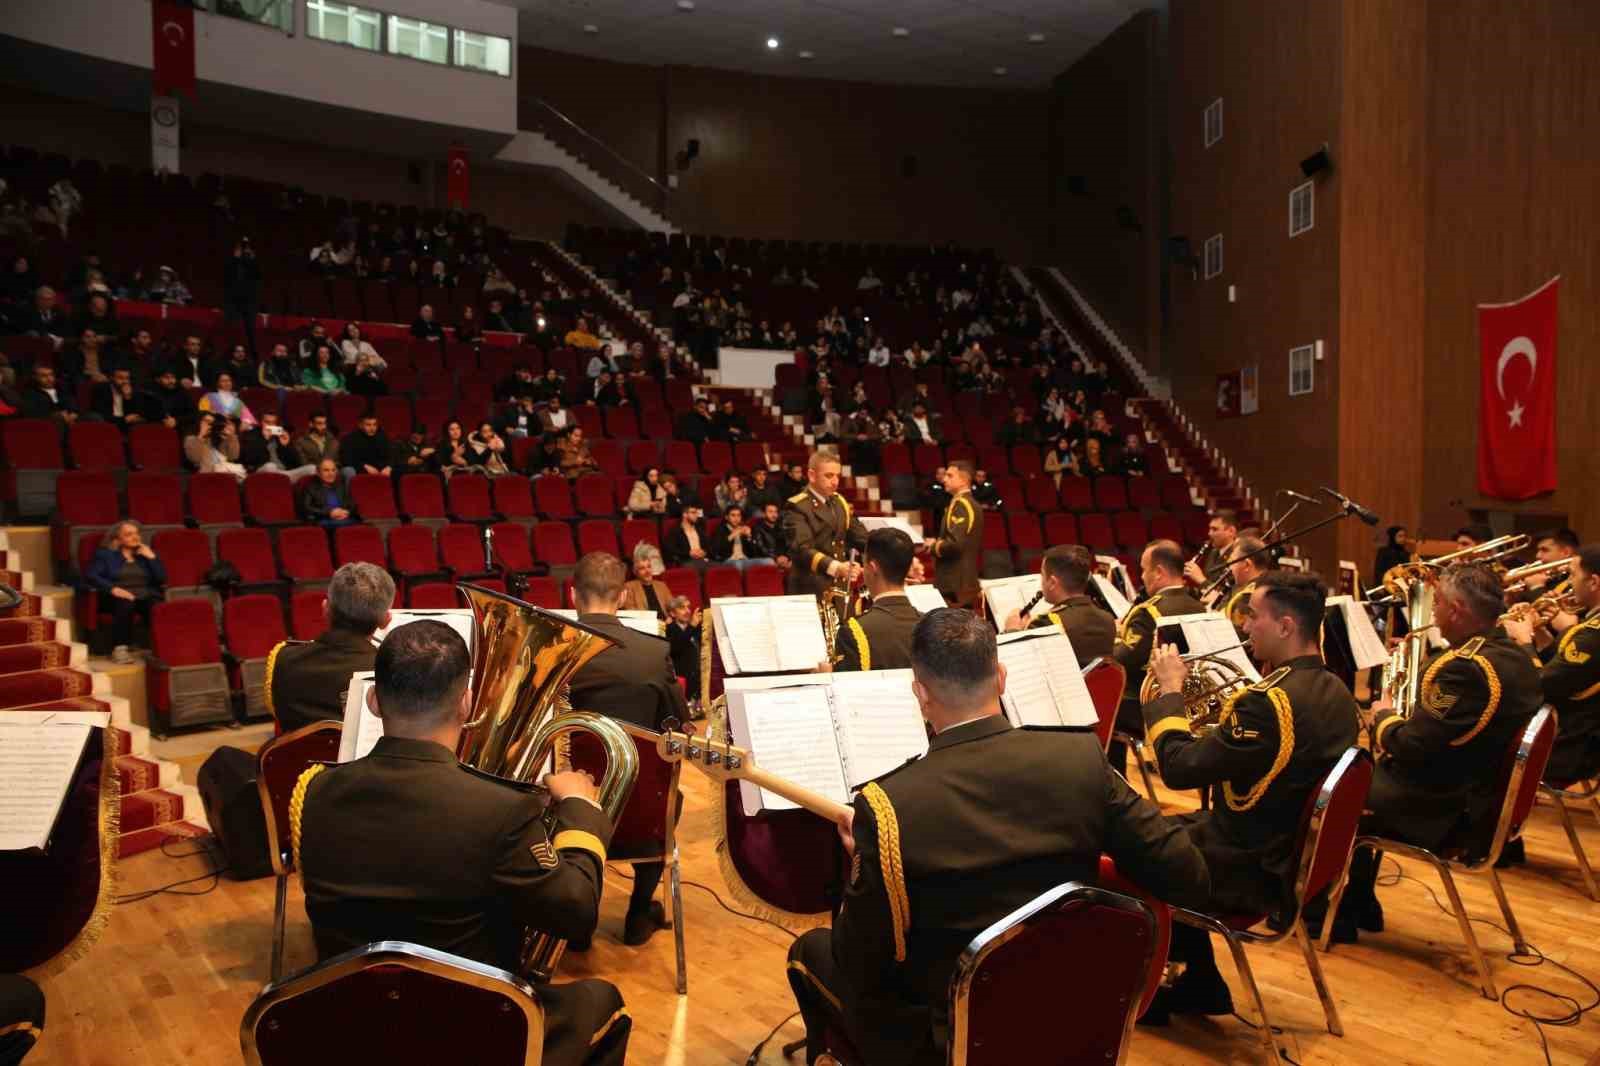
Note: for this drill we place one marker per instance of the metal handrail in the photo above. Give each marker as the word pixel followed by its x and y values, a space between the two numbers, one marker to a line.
pixel 657 190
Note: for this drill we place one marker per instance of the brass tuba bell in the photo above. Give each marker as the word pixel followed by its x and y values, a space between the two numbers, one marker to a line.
pixel 522 659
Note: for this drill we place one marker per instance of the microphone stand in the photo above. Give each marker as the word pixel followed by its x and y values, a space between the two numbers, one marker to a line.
pixel 1297 534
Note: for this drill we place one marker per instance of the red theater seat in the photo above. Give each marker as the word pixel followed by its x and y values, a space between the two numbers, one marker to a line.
pixel 359 544
pixel 306 559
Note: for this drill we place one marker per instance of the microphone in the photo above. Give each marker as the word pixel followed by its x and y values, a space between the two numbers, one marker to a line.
pixel 1352 507
pixel 1302 497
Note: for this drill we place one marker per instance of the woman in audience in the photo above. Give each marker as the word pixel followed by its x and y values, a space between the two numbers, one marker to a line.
pixel 648 495
pixel 488 450
pixel 213 447
pixel 323 375
pixel 467 329
pixel 225 402
pixel 644 593
pixel 455 455
pixel 129 578
pixel 731 492
pixel 1093 464
pixel 1060 460
pixel 576 458
pixel 353 347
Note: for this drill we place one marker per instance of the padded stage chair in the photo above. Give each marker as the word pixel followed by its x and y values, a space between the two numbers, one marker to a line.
pixel 1105 679
pixel 279 765
pixel 1584 793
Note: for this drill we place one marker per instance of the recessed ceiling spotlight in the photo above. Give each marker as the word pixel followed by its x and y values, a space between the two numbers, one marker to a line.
pixel 590 27
pixel 686 5
pixel 1001 72
pixel 900 31
pixel 772 42
pixel 808 55
pixel 1036 38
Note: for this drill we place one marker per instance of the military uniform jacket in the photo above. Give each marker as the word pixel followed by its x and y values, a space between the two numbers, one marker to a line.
pixel 306 680
pixel 880 639
pixel 818 533
pixel 1571 683
pixel 950 843
pixel 1439 767
pixel 958 551
pixel 1136 639
pixel 1213 560
pixel 1273 745
pixel 1091 631
pixel 632 682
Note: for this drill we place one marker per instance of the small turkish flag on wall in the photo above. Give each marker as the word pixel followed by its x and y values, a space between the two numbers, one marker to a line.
pixel 1517 395
pixel 172 47
pixel 459 184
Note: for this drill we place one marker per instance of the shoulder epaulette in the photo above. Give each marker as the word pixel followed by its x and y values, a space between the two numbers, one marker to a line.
pixel 1471 647
pixel 272 662
pixel 1266 684
pixel 798 497
pixel 893 868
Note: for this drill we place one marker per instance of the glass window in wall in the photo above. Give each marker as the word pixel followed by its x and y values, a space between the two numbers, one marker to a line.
pixel 279 14
pixel 419 40
pixel 482 51
pixel 328 20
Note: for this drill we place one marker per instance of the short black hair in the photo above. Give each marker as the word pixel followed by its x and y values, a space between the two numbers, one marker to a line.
pixel 1566 538
pixel 1070 564
pixel 966 466
pixel 1250 542
pixel 598 576
pixel 953 653
pixel 1301 596
pixel 891 549
pixel 1167 555
pixel 1589 559
pixel 420 671
pixel 1476 531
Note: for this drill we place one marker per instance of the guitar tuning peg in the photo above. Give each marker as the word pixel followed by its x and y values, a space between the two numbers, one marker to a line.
pixel 671 725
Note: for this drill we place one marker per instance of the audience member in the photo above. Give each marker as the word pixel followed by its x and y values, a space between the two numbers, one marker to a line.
pixel 922 427
pixel 213 447
pixel 683 635
pixel 172 403
pixel 643 592
pixel 225 402
pixel 576 459
pixel 366 450
pixel 609 391
pixel 323 375
pixel 414 455
pixel 766 535
pixel 488 450
pixel 695 425
pixel 130 580
pixel 116 401
pixel 455 454
pixel 266 448
pixel 279 370
pixel 1132 460
pixel 734 541
pixel 316 443
pixel 86 359
pixel 425 328
pixel 648 496
pixel 729 425
pixel 43 398
pixel 1061 460
pixel 325 499
pixel 353 346
pixel 44 318
pixel 684 544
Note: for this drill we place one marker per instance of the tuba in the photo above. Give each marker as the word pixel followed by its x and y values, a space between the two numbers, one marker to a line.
pixel 1208 688
pixel 522 659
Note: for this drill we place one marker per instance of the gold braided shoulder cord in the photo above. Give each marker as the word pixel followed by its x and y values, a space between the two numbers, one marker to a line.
pixel 1285 714
pixel 1490 707
pixel 894 874
pixel 861 642
pixel 297 805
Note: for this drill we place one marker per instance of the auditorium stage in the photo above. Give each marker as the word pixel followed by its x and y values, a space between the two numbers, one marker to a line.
pixel 172 976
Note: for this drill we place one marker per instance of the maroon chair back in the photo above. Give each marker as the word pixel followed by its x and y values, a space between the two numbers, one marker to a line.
pixel 415 1004
pixel 641 829
pixel 1105 679
pixel 1111 879
pixel 1016 980
pixel 1329 824
pixel 279 765
pixel 1520 775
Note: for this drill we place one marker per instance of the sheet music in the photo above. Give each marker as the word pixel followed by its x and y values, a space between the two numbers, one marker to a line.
pixel 1119 575
pixel 1365 646
pixel 638 621
pixel 1211 632
pixel 871 522
pixel 766 634
pixel 1044 684
pixel 362 728
pixel 878 721
pixel 1114 598
pixel 1007 594
pixel 457 618
pixel 37 762
pixel 925 598
pixel 798 630
pixel 790 733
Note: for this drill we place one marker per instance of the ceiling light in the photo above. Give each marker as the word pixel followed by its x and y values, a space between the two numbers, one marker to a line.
pixel 772 42
pixel 900 31
pixel 808 55
pixel 686 5
pixel 1001 72
pixel 1036 38
pixel 590 27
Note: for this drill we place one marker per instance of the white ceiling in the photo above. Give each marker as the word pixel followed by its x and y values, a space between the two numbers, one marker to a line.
pixel 949 42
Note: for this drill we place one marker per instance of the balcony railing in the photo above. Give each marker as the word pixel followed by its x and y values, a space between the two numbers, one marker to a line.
pixel 545 118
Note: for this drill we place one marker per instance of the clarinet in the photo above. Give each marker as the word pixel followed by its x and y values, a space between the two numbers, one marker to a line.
pixel 1027 608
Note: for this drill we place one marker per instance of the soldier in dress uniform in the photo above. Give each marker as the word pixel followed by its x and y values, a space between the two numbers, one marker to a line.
pixel 1550 546
pixel 633 681
pixel 1064 574
pixel 959 544
pixel 1166 596
pixel 1245 573
pixel 820 529
pixel 1039 807
pixel 407 844
pixel 306 680
pixel 1439 767
pixel 1570 674
pixel 880 638
pixel 1272 747
pixel 1221 532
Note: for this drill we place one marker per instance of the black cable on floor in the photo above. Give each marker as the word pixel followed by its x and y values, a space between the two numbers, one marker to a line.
pixel 755 1053
pixel 720 902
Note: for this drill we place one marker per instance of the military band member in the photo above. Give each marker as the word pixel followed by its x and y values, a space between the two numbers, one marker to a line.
pixel 306 680
pixel 406 844
pixel 1166 596
pixel 1439 767
pixel 633 681
pixel 1271 749
pixel 1221 532
pixel 1042 806
pixel 1552 546
pixel 1245 573
pixel 1064 575
pixel 880 638
pixel 820 529
pixel 1570 676
pixel 959 544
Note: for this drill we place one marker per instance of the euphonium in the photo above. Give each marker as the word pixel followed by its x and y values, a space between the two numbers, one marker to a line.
pixel 521 662
pixel 1211 682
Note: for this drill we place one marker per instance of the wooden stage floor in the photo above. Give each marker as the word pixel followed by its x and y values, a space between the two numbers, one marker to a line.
pixel 170 980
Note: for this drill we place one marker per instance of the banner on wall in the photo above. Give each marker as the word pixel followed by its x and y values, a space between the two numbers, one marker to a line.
pixel 172 47
pixel 458 184
pixel 1517 395
pixel 165 134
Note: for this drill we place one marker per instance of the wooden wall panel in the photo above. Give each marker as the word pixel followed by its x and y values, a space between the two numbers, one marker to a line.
pixel 1103 130
pixel 1277 68
pixel 620 103
pixel 1514 173
pixel 1382 158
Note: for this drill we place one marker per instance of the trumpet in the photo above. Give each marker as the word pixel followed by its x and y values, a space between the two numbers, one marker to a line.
pixel 1516 581
pixel 1209 687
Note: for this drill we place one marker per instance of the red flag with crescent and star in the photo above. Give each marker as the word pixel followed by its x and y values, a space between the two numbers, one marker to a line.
pixel 458 185
pixel 1517 397
pixel 172 47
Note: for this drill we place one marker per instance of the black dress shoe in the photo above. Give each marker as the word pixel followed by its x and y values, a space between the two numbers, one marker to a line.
pixel 1193 993
pixel 1345 926
pixel 640 926
pixel 1368 919
pixel 1512 854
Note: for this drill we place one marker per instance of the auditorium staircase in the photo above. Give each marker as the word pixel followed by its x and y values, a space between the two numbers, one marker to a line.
pixel 1214 482
pixel 43 668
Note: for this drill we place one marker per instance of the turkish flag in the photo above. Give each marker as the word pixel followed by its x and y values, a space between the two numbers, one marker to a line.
pixel 1517 395
pixel 172 47
pixel 459 183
